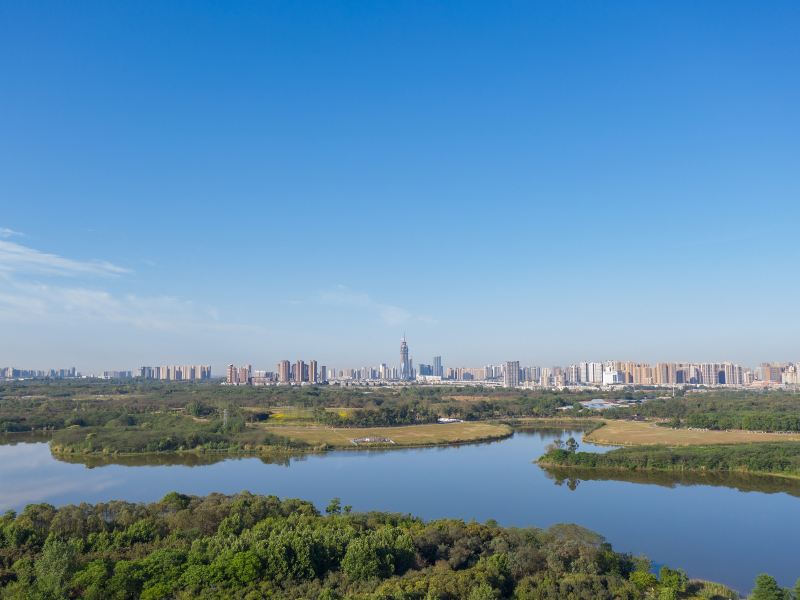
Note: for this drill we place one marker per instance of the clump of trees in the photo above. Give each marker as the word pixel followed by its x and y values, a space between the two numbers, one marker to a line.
pixel 721 410
pixel 248 546
pixel 781 458
pixel 162 432
pixel 766 588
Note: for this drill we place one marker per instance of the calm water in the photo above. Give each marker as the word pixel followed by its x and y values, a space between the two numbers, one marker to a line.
pixel 710 530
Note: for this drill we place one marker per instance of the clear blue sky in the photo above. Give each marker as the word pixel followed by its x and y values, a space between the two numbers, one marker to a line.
pixel 548 182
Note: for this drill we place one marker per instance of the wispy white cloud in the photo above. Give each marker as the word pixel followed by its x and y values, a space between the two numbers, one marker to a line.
pixel 390 314
pixel 28 293
pixel 16 258
pixel 5 232
pixel 39 301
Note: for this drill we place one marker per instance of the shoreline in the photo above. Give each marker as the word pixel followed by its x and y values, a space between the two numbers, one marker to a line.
pixel 613 469
pixel 279 451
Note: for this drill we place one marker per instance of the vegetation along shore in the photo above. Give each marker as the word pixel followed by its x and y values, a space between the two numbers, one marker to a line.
pixel 248 546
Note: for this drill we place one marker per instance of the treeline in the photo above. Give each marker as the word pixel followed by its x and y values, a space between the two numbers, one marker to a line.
pixel 753 411
pixel 250 547
pixel 401 414
pixel 158 432
pixel 35 405
pixel 781 458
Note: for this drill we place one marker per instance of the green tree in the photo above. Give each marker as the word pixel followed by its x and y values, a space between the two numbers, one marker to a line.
pixel 644 580
pixel 89 582
pixel 673 580
pixel 244 567
pixel 55 567
pixel 767 589
pixel 572 445
pixel 482 592
pixel 334 506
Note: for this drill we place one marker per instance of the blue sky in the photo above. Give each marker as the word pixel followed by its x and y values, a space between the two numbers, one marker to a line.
pixel 549 182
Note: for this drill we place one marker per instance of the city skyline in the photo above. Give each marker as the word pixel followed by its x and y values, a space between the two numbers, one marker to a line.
pixel 500 182
pixel 510 373
pixel 437 367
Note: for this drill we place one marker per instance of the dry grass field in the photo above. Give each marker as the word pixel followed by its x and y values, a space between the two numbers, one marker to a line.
pixel 411 435
pixel 638 433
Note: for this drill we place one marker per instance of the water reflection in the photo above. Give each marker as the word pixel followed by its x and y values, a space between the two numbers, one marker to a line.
pixel 188 459
pixel 742 482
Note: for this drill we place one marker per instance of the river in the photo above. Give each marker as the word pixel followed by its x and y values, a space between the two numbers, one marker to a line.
pixel 722 529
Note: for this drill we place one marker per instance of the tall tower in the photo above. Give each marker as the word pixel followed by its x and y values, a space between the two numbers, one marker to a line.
pixel 299 372
pixel 511 375
pixel 405 366
pixel 312 371
pixel 284 369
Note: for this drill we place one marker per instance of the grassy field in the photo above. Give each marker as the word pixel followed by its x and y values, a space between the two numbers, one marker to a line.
pixel 411 435
pixel 638 433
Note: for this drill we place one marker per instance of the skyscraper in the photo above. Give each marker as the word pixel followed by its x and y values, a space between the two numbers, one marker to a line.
pixel 438 369
pixel 511 375
pixel 312 371
pixel 405 365
pixel 299 372
pixel 284 369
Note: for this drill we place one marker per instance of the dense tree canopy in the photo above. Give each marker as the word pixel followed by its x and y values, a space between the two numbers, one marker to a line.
pixel 248 546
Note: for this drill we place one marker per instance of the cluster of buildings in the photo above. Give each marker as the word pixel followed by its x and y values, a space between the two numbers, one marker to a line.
pixel 117 374
pixel 13 373
pixel 301 372
pixel 611 372
pixel 176 372
pixel 512 375
pixel 509 374
pixel 286 372
pixel 163 373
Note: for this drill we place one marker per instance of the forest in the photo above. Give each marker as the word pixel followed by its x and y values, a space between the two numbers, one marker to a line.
pixel 248 546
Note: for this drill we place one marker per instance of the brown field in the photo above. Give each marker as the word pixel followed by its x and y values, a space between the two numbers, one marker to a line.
pixel 411 435
pixel 638 433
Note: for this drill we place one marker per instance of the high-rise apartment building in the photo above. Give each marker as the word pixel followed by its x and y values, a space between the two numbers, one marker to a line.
pixel 312 371
pixel 176 372
pixel 438 369
pixel 284 371
pixel 300 372
pixel 511 374
pixel 771 373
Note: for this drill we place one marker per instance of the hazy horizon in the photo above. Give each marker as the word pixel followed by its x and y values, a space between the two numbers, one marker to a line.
pixel 542 183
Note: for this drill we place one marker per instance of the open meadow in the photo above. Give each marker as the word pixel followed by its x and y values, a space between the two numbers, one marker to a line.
pixel 639 433
pixel 409 435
